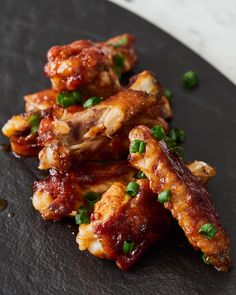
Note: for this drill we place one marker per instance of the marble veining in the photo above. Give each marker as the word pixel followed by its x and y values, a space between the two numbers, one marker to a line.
pixel 206 26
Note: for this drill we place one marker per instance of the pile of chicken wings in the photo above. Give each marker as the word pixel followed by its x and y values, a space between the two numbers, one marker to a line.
pixel 111 165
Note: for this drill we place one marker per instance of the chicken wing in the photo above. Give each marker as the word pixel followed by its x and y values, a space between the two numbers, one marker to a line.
pixel 188 199
pixel 91 67
pixel 61 194
pixel 119 220
pixel 84 133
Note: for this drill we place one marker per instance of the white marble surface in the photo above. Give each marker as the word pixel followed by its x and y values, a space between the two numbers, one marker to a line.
pixel 206 26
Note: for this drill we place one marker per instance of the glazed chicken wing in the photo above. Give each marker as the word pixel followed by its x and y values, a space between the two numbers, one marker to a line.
pixel 91 67
pixel 188 199
pixel 119 219
pixel 60 194
pixel 84 133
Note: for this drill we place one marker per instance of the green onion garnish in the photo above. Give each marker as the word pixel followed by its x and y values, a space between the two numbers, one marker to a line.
pixel 158 132
pixel 168 94
pixel 177 134
pixel 67 99
pixel 190 79
pixel 140 175
pixel 119 60
pixel 170 142
pixel 82 216
pixel 179 151
pixel 92 101
pixel 138 146
pixel 121 42
pixel 208 230
pixel 34 121
pixel 132 188
pixel 164 196
pixel 92 198
pixel 128 246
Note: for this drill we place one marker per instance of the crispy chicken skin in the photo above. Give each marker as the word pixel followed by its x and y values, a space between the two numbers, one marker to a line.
pixel 84 133
pixel 190 203
pixel 89 66
pixel 62 193
pixel 117 218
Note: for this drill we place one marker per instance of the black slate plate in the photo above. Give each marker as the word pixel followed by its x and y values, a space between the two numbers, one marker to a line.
pixel 39 257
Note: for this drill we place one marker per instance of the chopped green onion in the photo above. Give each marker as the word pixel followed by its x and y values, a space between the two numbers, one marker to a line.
pixel 164 196
pixel 208 230
pixel 181 136
pixel 67 99
pixel 121 42
pixel 173 133
pixel 138 146
pixel 170 142
pixel 179 151
pixel 132 188
pixel 92 198
pixel 177 134
pixel 128 246
pixel 206 259
pixel 158 132
pixel 168 94
pixel 82 216
pixel 119 60
pixel 34 121
pixel 140 175
pixel 92 101
pixel 190 79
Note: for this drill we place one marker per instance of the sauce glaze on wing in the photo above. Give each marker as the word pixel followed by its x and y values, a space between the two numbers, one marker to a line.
pixel 190 203
pixel 60 193
pixel 90 66
pixel 117 218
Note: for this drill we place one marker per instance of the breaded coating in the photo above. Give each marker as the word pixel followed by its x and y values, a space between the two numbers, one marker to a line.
pixel 190 203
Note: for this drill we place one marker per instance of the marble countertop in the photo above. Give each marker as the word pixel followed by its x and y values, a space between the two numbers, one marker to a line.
pixel 208 27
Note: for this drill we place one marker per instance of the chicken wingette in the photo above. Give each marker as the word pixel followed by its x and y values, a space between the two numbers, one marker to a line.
pixel 184 195
pixel 123 227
